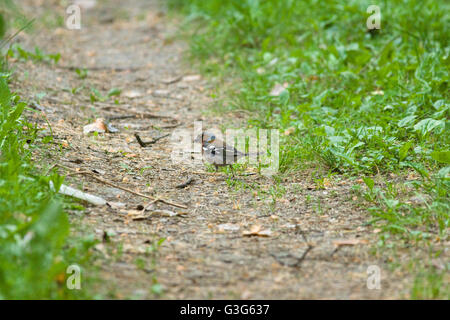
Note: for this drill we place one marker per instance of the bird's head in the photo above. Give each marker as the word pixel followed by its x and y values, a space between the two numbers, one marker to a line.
pixel 205 137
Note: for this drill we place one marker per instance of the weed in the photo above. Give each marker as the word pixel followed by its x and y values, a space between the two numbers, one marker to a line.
pixel 354 102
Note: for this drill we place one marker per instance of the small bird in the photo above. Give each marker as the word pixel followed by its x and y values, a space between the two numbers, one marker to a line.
pixel 216 152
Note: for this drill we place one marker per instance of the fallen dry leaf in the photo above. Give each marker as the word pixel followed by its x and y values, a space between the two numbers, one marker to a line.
pixel 256 230
pixel 349 242
pixel 99 126
pixel 138 214
pixel 278 89
pixel 132 213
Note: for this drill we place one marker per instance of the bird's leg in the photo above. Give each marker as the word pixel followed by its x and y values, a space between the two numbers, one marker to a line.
pixel 217 167
pixel 232 171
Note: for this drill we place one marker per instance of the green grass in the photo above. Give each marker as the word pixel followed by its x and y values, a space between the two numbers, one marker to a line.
pixel 18 52
pixel 357 102
pixel 35 245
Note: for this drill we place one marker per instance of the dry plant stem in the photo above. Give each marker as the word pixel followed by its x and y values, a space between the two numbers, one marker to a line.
pixel 170 126
pixel 172 81
pixel 145 144
pixel 185 184
pixel 149 204
pixel 155 199
pixel 73 173
pixel 300 260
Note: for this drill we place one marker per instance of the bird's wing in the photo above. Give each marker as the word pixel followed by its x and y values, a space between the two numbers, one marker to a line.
pixel 221 155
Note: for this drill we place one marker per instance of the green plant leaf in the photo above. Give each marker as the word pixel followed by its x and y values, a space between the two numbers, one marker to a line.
pixel 428 125
pixel 441 156
pixel 406 122
pixel 403 152
pixel 369 182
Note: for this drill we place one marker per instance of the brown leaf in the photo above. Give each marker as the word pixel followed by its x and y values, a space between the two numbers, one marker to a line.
pixel 349 242
pixel 100 126
pixel 97 126
pixel 257 230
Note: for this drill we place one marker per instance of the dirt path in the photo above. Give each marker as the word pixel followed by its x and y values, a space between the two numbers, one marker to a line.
pixel 204 254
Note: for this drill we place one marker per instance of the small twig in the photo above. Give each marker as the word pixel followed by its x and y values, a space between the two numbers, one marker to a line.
pixel 51 168
pixel 36 106
pixel 299 260
pixel 185 184
pixel 121 117
pixel 139 115
pixel 91 174
pixel 172 81
pixel 146 144
pixel 335 250
pixel 149 204
pixel 77 172
pixel 170 126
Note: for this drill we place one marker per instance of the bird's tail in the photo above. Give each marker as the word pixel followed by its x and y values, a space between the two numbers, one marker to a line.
pixel 254 154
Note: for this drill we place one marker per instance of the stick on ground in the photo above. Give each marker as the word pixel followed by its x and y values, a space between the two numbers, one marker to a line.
pixel 148 143
pixel 156 199
pixel 185 184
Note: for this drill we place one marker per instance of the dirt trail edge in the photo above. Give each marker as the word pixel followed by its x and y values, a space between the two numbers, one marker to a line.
pixel 318 246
